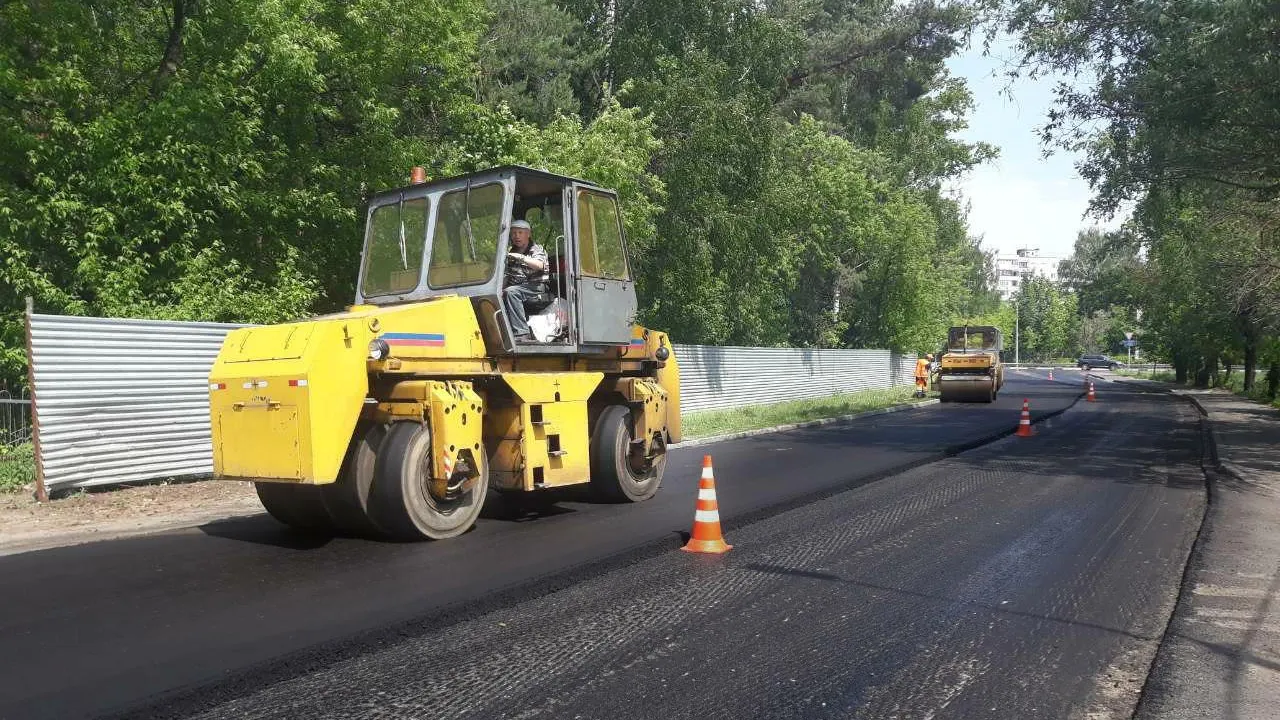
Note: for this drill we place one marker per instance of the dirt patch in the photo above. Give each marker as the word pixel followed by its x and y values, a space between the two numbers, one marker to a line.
pixel 88 516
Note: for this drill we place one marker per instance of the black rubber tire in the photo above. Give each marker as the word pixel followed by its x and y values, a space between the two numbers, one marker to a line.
pixel 612 477
pixel 347 499
pixel 298 506
pixel 401 504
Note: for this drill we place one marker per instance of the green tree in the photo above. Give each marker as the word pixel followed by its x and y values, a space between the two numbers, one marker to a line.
pixel 529 59
pixel 1048 317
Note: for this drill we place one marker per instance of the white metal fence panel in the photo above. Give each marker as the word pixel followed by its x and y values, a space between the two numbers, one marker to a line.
pixel 906 370
pixel 122 400
pixel 714 378
pixel 128 400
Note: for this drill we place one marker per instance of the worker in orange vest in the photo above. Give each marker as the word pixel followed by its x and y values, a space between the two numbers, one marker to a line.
pixel 922 374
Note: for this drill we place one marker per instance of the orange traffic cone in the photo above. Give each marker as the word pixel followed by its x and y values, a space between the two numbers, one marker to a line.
pixel 1024 424
pixel 1050 373
pixel 1091 397
pixel 706 537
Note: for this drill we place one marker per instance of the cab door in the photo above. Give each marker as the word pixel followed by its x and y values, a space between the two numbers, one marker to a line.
pixel 606 296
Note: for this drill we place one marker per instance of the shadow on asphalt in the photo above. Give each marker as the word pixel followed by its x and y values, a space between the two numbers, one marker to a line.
pixel 265 530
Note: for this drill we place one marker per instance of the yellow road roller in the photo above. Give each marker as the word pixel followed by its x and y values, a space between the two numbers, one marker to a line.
pixel 492 346
pixel 971 370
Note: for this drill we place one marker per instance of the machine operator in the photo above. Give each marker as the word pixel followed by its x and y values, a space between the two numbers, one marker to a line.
pixel 527 282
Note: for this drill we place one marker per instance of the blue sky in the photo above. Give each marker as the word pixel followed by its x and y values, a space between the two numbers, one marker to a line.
pixel 1021 199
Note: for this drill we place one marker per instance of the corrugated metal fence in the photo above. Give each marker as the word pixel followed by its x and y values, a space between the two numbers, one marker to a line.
pixel 122 400
pixel 713 378
pixel 128 400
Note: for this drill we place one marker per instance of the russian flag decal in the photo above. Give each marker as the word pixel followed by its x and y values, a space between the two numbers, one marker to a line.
pixel 414 339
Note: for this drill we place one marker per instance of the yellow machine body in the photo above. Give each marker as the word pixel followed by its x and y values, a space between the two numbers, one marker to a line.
pixel 970 369
pixel 285 400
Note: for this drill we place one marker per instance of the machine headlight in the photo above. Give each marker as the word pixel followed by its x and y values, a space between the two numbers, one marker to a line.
pixel 662 353
pixel 379 349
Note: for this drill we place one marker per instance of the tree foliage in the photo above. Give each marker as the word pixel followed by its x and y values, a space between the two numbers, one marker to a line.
pixel 780 163
pixel 1048 317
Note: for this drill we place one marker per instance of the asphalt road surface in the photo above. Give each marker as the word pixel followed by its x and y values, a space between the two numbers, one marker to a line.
pixel 1026 578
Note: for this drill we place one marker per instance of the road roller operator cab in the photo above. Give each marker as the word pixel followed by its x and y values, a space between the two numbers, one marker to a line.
pixel 971 369
pixel 458 230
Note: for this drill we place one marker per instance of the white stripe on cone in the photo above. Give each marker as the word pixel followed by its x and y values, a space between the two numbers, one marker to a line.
pixel 706 494
pixel 706 516
pixel 707 474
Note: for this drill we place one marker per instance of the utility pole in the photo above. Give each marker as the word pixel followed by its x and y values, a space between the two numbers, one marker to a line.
pixel 1017 328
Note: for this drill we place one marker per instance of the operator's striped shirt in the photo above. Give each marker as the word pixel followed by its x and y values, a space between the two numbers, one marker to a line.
pixel 521 274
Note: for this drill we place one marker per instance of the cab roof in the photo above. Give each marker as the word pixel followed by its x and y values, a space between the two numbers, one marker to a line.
pixel 490 172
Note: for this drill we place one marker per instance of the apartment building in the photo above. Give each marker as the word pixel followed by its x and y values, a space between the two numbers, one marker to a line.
pixel 1013 269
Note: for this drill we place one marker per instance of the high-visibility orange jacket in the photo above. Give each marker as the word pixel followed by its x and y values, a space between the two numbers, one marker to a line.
pixel 922 369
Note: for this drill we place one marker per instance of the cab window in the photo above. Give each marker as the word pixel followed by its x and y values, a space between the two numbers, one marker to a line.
pixel 464 248
pixel 397 235
pixel 600 250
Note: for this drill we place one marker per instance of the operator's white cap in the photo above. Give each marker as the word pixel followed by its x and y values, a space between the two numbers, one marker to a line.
pixel 515 224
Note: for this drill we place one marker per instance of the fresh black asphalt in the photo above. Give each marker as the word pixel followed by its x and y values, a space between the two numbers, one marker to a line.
pixel 1055 554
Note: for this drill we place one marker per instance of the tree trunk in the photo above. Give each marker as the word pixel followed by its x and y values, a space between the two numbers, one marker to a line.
pixel 1179 370
pixel 1202 373
pixel 1273 380
pixel 172 57
pixel 1250 361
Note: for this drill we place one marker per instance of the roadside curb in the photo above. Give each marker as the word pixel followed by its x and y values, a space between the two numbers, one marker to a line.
pixel 1210 465
pixel 806 424
pixel 1226 467
pixel 1215 461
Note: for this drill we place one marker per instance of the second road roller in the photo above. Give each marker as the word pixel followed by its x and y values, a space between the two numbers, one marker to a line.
pixel 971 370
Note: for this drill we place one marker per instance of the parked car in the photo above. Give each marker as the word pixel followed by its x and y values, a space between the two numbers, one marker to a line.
pixel 1089 362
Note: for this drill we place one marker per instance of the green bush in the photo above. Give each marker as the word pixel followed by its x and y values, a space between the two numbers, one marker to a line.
pixel 17 467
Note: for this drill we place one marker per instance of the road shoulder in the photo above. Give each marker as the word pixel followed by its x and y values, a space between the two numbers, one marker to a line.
pixel 26 526
pixel 1221 652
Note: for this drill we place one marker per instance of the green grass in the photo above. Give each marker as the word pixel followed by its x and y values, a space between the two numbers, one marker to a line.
pixel 17 467
pixel 709 423
pixel 1157 375
pixel 1235 383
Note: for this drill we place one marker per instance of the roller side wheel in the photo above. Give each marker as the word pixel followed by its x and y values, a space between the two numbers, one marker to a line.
pixel 404 501
pixel 347 499
pixel 619 472
pixel 298 506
